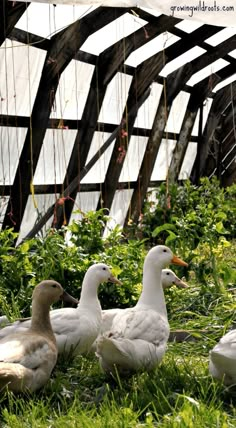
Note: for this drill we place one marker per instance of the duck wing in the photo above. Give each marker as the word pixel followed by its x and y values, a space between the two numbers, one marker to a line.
pixel 145 324
pixel 29 350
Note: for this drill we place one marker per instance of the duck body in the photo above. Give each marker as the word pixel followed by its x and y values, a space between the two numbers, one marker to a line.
pixel 75 329
pixel 168 278
pixel 137 341
pixel 26 361
pixel 222 364
pixel 138 336
pixel 28 358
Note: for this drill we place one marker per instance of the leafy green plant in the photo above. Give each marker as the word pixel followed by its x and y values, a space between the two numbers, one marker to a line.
pixel 197 219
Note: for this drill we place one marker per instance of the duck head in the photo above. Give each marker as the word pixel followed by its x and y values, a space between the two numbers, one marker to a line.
pixel 168 278
pixel 162 256
pixel 103 273
pixel 50 291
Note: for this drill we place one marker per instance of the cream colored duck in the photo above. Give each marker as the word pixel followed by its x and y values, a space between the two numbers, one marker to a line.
pixel 27 359
pixel 76 329
pixel 138 337
pixel 222 363
pixel 168 278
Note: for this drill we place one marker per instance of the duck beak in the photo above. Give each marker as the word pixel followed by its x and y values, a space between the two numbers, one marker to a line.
pixel 179 283
pixel 177 261
pixel 114 280
pixel 66 297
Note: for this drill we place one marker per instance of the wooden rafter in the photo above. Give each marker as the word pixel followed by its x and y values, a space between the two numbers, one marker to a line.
pixel 219 104
pixel 201 91
pixel 10 13
pixel 145 74
pixel 62 49
pixel 108 64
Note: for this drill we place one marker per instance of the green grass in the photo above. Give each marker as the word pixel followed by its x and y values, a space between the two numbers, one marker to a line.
pixel 180 393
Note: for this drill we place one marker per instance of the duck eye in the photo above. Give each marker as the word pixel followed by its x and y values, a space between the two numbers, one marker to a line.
pixel 104 268
pixel 54 286
pixel 165 251
pixel 168 273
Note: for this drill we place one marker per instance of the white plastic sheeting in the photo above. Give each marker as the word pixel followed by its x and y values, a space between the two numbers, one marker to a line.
pixel 177 112
pixel 163 160
pixel 207 71
pixel 133 159
pixel 111 33
pixel 181 60
pixel 115 98
pixel 3 206
pixel 11 143
pixel 98 172
pixel 20 72
pixel 221 12
pixel 32 213
pixel 206 109
pixel 119 209
pixel 163 41
pixel 54 156
pixel 188 161
pixel 85 201
pixel 72 91
pixel 147 111
pixel 44 19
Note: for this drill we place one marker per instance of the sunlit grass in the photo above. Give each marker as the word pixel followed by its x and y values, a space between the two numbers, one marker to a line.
pixel 179 393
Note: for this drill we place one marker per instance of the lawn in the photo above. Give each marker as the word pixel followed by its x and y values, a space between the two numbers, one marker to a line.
pixel 179 393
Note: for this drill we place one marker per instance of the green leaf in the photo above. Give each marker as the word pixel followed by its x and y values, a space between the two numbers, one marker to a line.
pixel 163 228
pixel 172 236
pixel 220 228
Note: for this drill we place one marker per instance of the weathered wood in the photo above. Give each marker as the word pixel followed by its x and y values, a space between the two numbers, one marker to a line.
pixel 27 38
pixel 145 74
pixel 222 149
pixel 10 13
pixel 74 184
pixel 63 47
pixel 173 86
pixel 219 104
pixel 200 92
pixel 108 63
pixel 42 189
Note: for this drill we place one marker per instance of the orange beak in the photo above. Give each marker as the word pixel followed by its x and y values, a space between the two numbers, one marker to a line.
pixel 177 261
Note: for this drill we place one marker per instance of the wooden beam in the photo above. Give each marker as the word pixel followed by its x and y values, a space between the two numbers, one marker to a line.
pixel 145 74
pixel 170 90
pixel 108 64
pixel 174 85
pixel 63 47
pixel 199 94
pixel 220 102
pixel 10 13
pixel 50 189
pixel 28 38
pixel 74 184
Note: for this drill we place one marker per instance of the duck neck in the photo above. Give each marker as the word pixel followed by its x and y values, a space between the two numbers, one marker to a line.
pixel 89 292
pixel 40 321
pixel 152 295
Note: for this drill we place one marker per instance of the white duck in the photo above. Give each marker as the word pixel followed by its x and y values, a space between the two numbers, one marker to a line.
pixel 27 359
pixel 138 336
pixel 168 278
pixel 222 363
pixel 76 329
